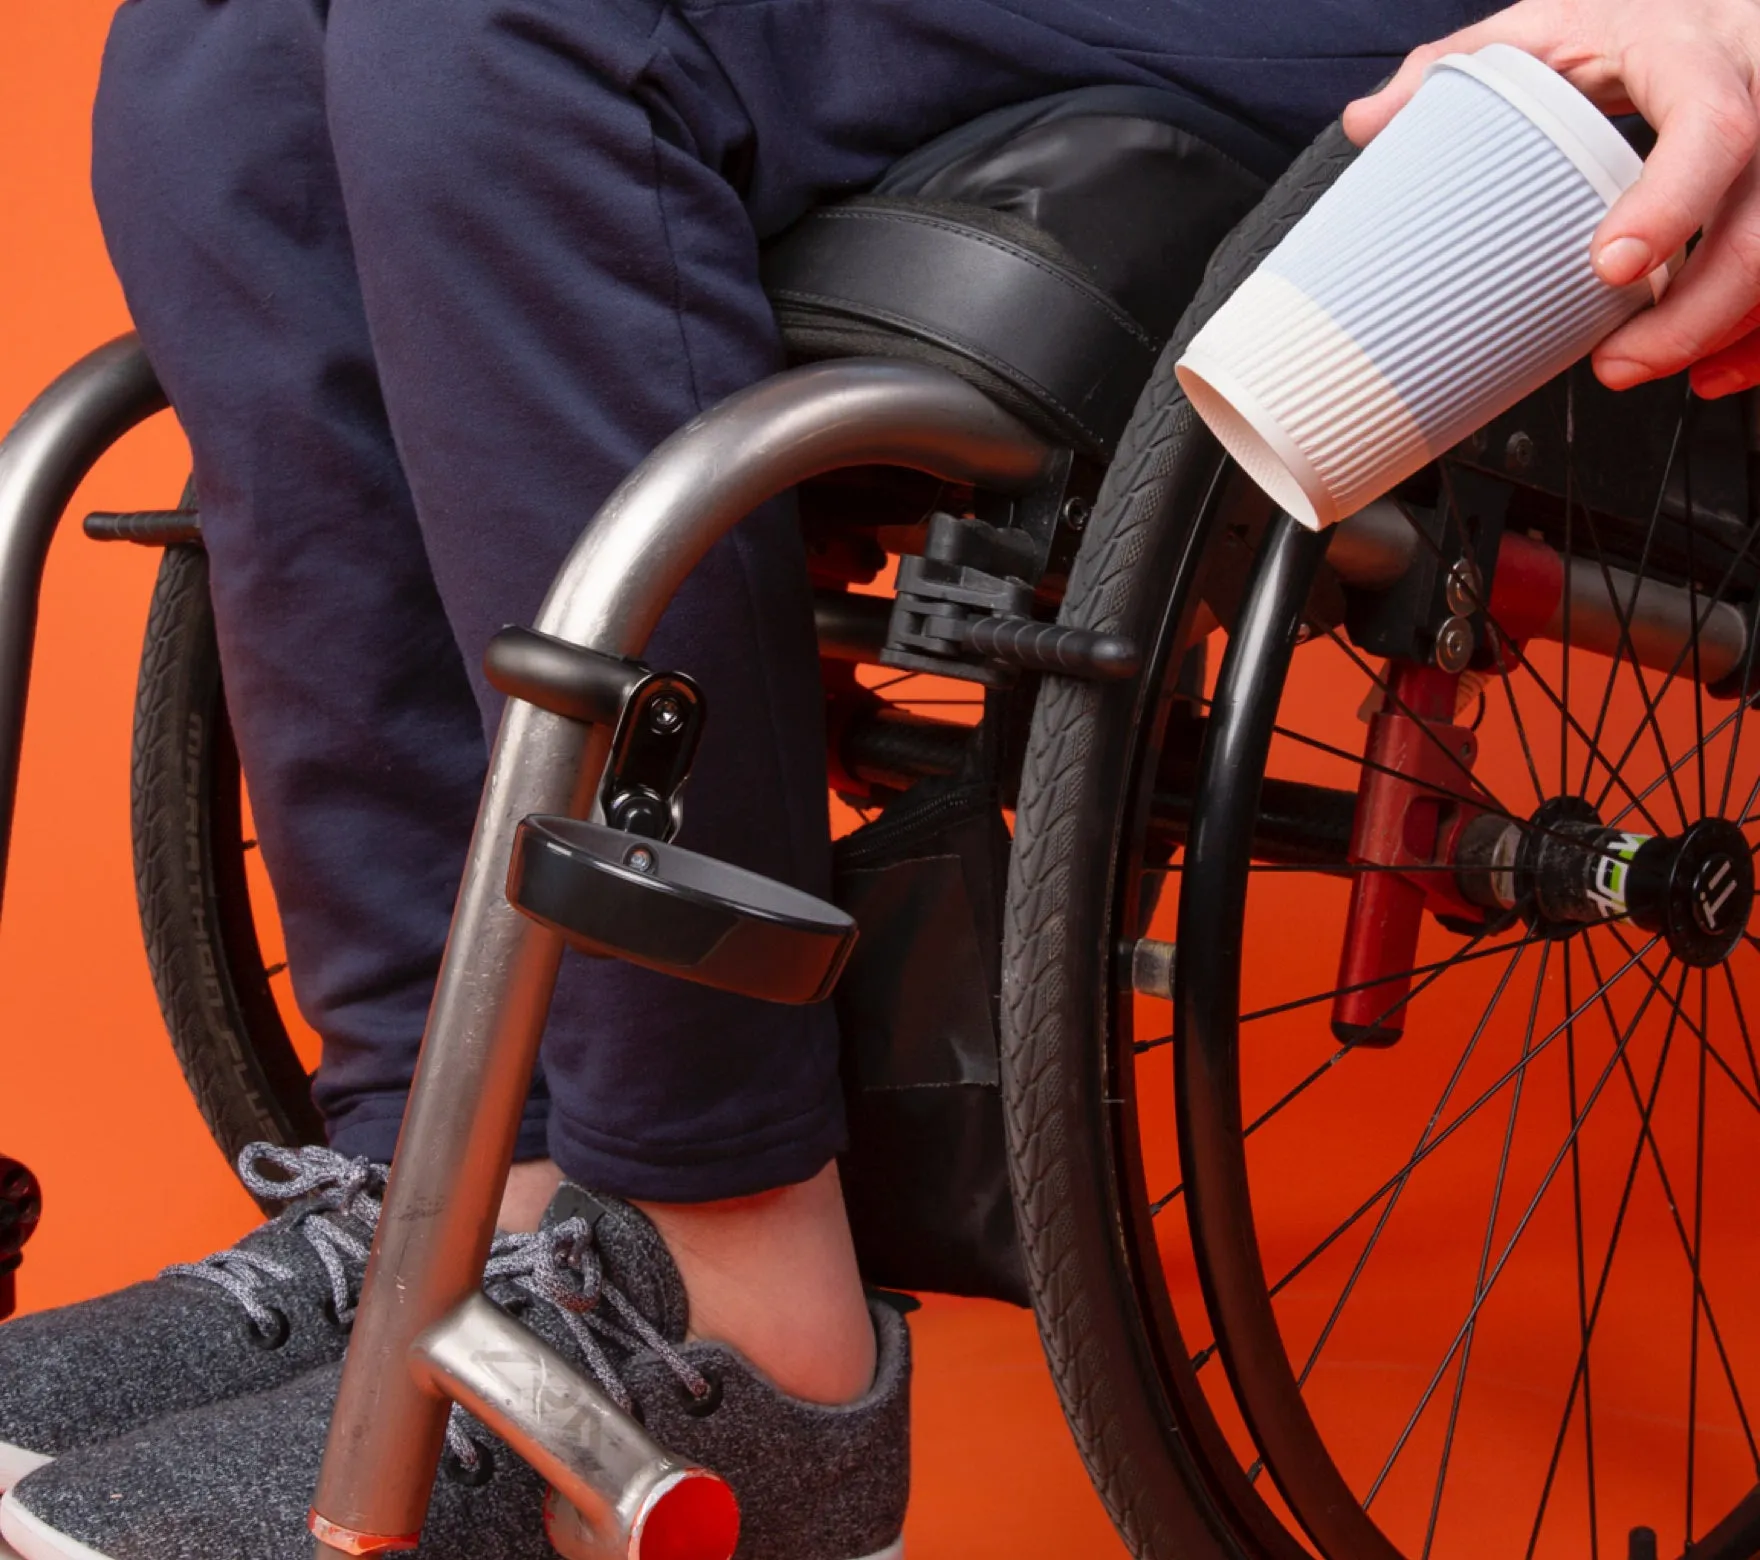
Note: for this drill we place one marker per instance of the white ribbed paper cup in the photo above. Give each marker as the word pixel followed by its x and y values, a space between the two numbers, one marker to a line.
pixel 1445 275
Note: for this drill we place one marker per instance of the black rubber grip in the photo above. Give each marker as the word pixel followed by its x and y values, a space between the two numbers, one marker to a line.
pixel 147 527
pixel 557 676
pixel 1045 647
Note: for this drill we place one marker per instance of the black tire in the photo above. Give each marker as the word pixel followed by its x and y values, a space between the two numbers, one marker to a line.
pixel 1151 1443
pixel 196 913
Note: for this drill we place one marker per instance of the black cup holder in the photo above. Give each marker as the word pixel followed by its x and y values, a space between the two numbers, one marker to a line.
pixel 618 895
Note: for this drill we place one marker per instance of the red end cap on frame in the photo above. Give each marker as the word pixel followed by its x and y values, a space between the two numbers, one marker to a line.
pixel 693 1516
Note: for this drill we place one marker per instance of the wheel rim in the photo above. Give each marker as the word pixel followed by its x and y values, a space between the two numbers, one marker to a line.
pixel 1542 1238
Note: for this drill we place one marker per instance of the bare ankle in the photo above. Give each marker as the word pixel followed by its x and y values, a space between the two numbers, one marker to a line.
pixel 530 1186
pixel 775 1277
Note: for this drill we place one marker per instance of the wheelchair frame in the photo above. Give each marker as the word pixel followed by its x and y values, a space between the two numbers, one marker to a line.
pixel 424 1338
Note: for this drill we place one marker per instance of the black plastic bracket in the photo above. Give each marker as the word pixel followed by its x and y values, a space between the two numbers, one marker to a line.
pixel 651 755
pixel 964 609
pixel 1448 581
pixel 658 718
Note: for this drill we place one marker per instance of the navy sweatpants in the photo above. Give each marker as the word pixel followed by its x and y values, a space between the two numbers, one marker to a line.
pixel 424 279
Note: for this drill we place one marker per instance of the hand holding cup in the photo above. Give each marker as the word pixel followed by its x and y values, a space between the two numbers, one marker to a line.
pixel 1692 68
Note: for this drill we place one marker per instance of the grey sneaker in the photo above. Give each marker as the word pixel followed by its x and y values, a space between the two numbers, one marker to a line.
pixel 236 1479
pixel 275 1306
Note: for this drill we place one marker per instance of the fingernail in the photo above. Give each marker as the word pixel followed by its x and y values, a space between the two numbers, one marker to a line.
pixel 1713 382
pixel 1624 260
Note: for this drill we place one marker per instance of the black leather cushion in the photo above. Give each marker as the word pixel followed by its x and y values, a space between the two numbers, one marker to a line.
pixel 1044 252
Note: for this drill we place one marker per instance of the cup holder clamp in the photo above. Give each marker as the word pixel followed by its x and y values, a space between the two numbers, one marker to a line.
pixel 620 889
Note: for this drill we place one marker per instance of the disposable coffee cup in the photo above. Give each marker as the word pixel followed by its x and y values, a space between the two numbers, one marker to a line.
pixel 1445 275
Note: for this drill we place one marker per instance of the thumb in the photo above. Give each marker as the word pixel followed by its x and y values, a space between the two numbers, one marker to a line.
pixel 1525 25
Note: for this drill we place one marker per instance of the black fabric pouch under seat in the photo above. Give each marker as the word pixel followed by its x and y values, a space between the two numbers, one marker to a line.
pixel 926 1173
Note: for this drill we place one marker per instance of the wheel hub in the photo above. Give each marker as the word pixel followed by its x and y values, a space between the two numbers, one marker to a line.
pixel 1709 896
pixel 1564 870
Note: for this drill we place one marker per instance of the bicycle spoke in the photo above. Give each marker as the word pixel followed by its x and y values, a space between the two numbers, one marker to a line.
pixel 1440 967
pixel 1750 1097
pixel 1515 711
pixel 1612 1251
pixel 1564 729
pixel 1698 697
pixel 1582 1259
pixel 1392 1202
pixel 1689 1245
pixel 1625 625
pixel 1624 614
pixel 1514 1239
pixel 1735 742
pixel 1742 1025
pixel 1678 765
pixel 1696 1255
pixel 1680 660
pixel 1480 1288
pixel 1272 1110
pixel 1490 1092
pixel 891 682
pixel 1292 1094
pixel 1482 799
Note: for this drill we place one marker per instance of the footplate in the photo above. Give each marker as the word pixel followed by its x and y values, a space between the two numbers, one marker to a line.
pixel 617 895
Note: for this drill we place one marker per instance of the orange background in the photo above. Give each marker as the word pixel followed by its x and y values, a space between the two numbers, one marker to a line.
pixel 90 1096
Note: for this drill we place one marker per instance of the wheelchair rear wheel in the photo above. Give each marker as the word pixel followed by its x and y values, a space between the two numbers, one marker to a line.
pixel 206 925
pixel 1409 1216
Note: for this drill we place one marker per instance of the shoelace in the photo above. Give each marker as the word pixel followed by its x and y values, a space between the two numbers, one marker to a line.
pixel 562 1267
pixel 334 1185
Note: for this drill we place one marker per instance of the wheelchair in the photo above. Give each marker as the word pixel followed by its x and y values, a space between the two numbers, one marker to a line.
pixel 1378 1095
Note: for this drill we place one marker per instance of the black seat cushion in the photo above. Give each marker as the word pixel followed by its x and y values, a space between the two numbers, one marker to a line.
pixel 1043 252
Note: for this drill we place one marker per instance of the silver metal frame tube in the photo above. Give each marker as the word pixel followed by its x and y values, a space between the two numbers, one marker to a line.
pixel 1660 618
pixel 609 1469
pixel 51 448
pixel 500 967
pixel 1375 546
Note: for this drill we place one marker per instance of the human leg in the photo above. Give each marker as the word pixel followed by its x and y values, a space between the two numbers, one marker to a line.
pixel 358 734
pixel 347 690
pixel 676 1093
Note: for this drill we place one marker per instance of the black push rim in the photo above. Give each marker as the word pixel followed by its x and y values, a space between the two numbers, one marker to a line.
pixel 1607 1007
pixel 1231 505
